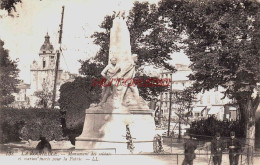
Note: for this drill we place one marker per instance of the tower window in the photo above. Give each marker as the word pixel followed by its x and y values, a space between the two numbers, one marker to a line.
pixel 201 100
pixel 52 59
pixel 44 51
pixel 208 99
pixel 43 64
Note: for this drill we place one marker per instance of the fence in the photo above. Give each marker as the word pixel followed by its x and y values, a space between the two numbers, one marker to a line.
pixel 203 151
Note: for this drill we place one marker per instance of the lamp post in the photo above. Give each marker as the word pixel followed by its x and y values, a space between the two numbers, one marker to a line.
pixel 160 111
pixel 179 136
pixel 179 109
pixel 170 109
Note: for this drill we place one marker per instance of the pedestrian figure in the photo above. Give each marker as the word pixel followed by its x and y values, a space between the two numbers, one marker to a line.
pixel 234 147
pixel 156 118
pixel 217 146
pixel 158 144
pixel 189 151
pixel 43 145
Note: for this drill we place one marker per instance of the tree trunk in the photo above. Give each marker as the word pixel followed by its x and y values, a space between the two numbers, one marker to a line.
pixel 247 111
pixel 250 140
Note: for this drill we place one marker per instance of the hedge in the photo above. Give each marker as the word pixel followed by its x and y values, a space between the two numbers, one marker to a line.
pixel 25 124
pixel 204 128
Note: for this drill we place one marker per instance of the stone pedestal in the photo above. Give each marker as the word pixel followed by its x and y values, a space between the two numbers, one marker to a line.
pixel 106 129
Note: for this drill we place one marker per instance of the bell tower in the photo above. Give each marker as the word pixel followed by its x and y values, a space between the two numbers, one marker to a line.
pixel 47 55
pixel 42 71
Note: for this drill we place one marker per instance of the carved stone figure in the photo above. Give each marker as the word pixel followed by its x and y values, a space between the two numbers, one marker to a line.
pixel 109 72
pixel 128 75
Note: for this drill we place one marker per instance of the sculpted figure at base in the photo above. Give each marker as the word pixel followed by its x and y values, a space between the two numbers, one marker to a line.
pixel 128 74
pixel 113 72
pixel 121 70
pixel 109 72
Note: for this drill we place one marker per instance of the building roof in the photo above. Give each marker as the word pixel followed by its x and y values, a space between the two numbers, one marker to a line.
pixel 47 46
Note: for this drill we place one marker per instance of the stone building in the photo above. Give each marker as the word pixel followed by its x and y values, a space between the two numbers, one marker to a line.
pixel 206 104
pixel 43 71
pixel 213 103
pixel 21 98
pixel 180 81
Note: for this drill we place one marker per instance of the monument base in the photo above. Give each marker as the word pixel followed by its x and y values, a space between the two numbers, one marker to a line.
pixel 106 129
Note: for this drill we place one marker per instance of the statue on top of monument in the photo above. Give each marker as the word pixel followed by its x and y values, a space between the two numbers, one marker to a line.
pixel 120 13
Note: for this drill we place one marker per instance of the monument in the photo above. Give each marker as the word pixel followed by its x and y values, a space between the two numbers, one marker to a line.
pixel 122 120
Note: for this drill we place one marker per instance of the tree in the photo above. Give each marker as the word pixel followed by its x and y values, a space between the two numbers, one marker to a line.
pixel 9 5
pixel 75 98
pixel 8 77
pixel 44 96
pixel 183 101
pixel 78 94
pixel 223 39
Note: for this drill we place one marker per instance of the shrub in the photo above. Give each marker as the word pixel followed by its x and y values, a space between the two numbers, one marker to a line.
pixel 75 98
pixel 73 123
pixel 25 124
pixel 208 127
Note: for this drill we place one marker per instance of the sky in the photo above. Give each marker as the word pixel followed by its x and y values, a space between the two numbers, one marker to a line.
pixel 23 35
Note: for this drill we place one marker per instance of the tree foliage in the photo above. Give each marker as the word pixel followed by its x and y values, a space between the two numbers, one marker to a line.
pixel 207 128
pixel 184 99
pixel 44 96
pixel 80 93
pixel 75 97
pixel 9 5
pixel 8 77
